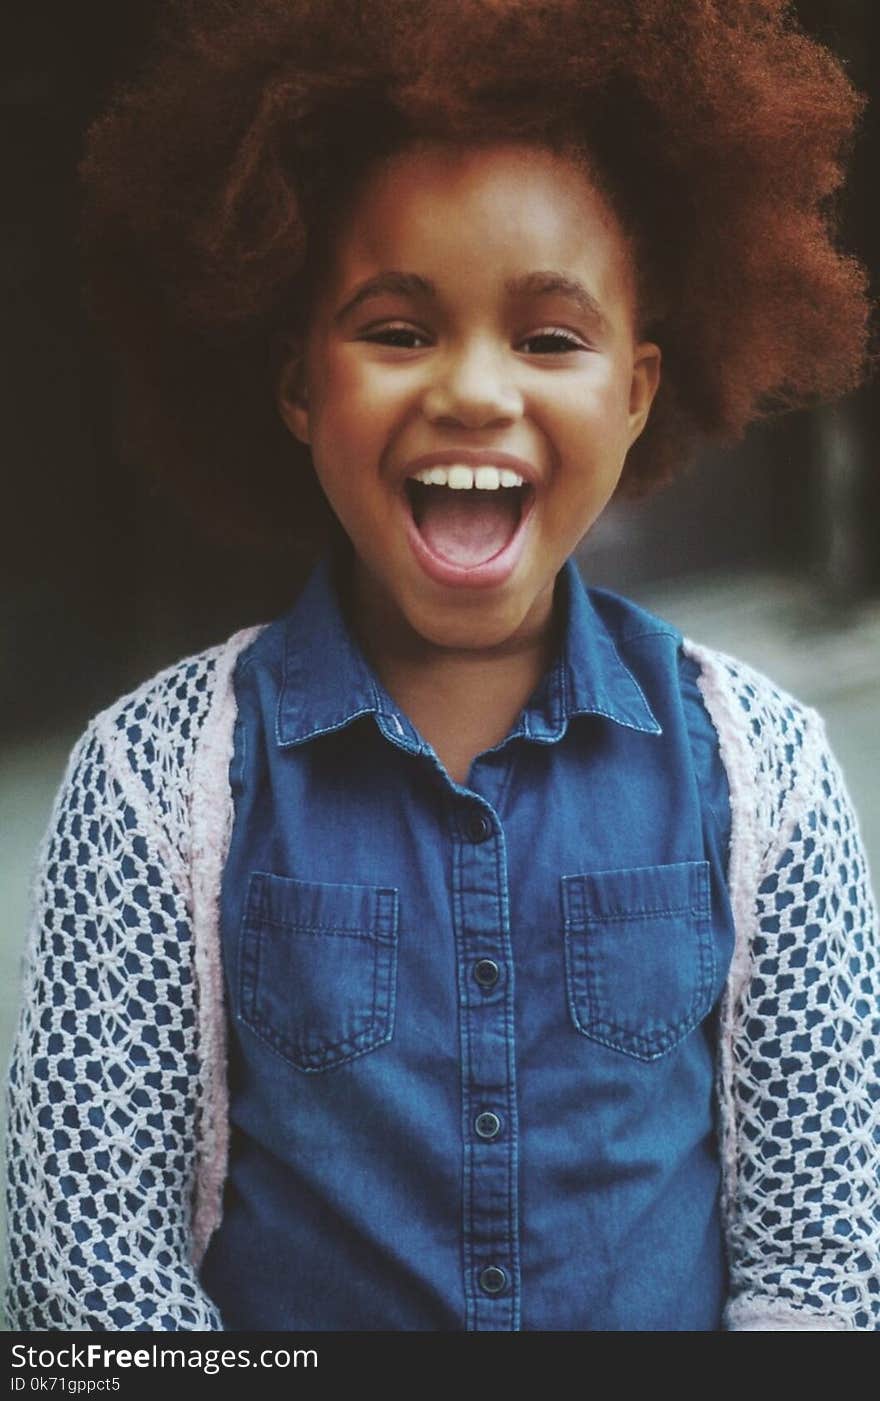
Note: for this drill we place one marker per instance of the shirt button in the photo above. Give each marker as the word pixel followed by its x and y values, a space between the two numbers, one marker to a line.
pixel 486 972
pixel 493 1279
pixel 487 1125
pixel 478 826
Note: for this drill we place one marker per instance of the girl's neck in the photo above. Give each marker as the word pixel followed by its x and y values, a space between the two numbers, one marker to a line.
pixel 461 700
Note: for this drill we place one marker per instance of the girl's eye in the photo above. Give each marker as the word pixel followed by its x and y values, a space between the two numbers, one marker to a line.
pixel 552 342
pixel 402 337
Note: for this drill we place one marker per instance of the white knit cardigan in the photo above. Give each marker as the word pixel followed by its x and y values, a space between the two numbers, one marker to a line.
pixel 117 1139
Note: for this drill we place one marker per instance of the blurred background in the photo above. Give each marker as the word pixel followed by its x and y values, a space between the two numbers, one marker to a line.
pixel 770 553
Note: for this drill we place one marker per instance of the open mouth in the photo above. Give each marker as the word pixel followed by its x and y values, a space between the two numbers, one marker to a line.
pixel 468 522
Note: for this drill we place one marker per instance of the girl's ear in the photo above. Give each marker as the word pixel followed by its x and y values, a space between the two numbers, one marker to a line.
pixel 293 399
pixel 644 386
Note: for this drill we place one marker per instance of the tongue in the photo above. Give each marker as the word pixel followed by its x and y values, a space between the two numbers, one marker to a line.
pixel 468 527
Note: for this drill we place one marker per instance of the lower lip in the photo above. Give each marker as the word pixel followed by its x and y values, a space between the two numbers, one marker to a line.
pixel 488 574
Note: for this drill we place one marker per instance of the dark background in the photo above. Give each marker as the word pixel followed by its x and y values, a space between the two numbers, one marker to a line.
pixel 104 580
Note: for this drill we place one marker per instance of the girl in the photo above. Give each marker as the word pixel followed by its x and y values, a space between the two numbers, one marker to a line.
pixel 464 950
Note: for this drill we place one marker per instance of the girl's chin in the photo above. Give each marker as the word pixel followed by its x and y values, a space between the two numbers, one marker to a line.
pixel 480 622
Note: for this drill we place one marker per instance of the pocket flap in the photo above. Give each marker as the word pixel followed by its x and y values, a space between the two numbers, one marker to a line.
pixel 364 911
pixel 641 892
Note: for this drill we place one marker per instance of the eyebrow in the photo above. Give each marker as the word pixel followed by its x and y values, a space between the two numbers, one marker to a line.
pixel 530 284
pixel 403 284
pixel 549 284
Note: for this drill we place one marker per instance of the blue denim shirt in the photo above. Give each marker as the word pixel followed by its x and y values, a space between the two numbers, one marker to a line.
pixel 472 1026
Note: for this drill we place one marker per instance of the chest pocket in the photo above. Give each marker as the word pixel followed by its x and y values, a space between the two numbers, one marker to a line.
pixel 639 955
pixel 318 968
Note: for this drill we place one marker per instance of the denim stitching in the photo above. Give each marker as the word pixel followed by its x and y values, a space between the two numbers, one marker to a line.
pixel 512 1112
pixel 468 1262
pixel 341 931
pixel 265 1034
pixel 626 916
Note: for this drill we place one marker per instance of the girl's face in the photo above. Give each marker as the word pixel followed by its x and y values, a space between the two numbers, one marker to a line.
pixel 477 324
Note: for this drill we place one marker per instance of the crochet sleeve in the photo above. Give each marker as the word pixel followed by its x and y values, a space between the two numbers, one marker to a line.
pixel 104 1083
pixel 802 1072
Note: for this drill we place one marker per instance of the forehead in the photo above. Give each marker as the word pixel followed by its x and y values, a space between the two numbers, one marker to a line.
pixel 468 214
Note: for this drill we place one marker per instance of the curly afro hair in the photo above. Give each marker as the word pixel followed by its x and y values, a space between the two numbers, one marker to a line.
pixel 716 127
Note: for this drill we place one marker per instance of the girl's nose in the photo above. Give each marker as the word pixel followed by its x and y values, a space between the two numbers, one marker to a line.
pixel 472 388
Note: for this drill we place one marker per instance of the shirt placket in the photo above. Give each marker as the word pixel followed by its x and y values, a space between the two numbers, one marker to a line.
pixel 492 1284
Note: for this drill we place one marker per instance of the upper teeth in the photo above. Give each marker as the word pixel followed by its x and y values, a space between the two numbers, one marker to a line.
pixel 461 478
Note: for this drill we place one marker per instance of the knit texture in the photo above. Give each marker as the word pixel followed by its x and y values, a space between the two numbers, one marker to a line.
pixel 117 1084
pixel 117 1134
pixel 799 1064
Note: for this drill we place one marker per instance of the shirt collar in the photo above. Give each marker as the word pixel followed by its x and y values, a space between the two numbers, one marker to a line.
pixel 328 683
pixel 588 677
